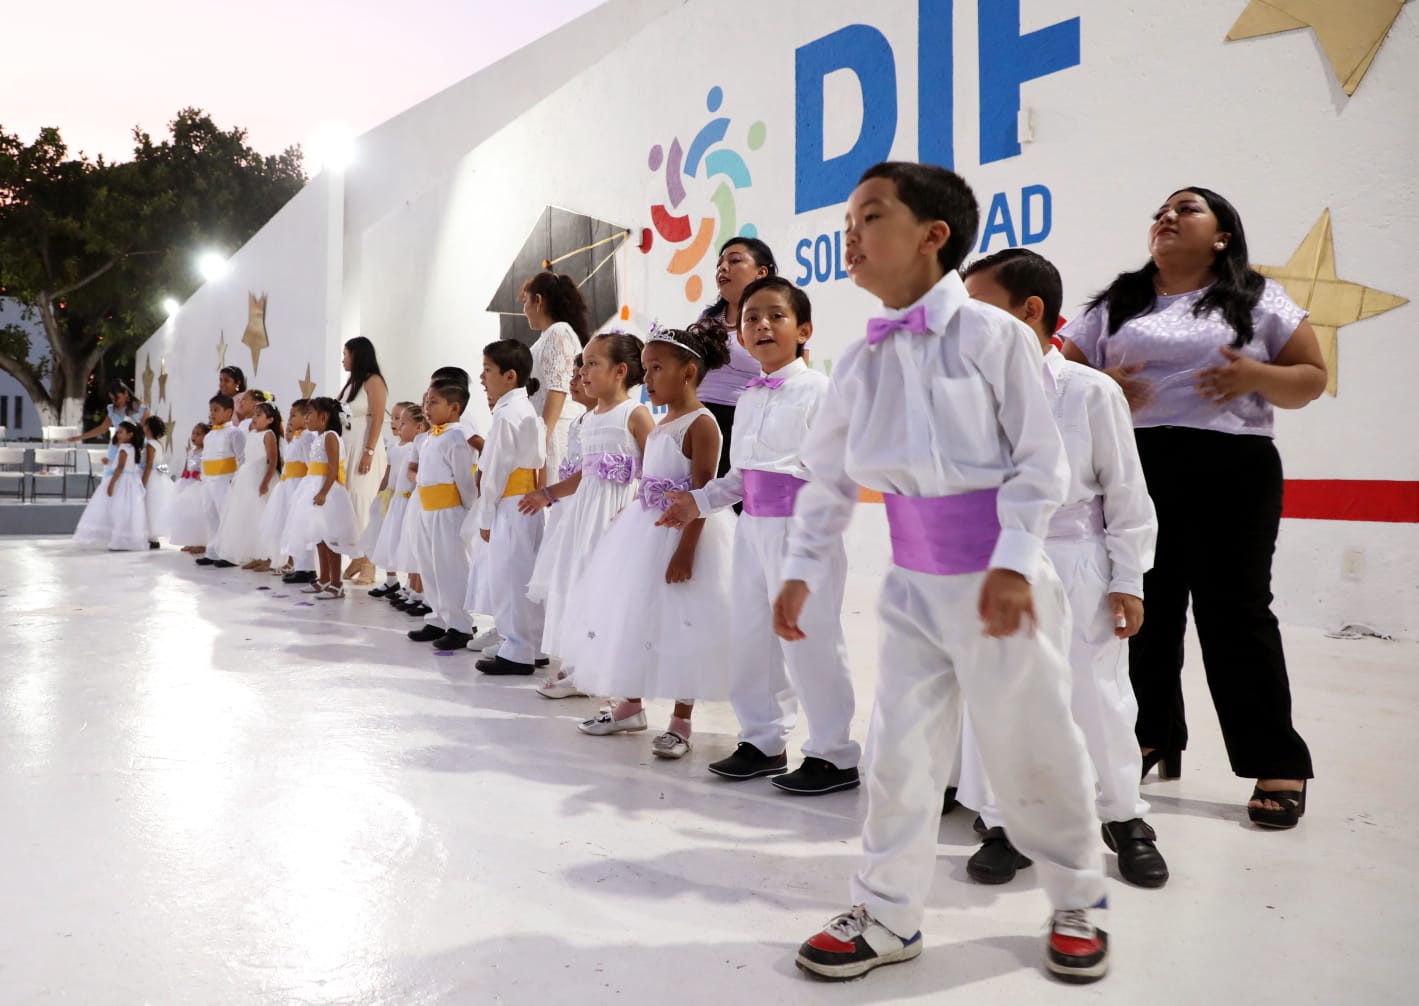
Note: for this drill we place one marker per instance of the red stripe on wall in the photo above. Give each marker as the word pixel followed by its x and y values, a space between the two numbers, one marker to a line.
pixel 1351 499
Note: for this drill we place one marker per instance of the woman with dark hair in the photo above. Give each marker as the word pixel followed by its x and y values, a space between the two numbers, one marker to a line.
pixel 364 396
pixel 1205 348
pixel 741 261
pixel 232 383
pixel 555 307
pixel 122 406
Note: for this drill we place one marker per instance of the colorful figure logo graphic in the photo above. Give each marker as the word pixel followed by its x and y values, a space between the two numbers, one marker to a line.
pixel 700 161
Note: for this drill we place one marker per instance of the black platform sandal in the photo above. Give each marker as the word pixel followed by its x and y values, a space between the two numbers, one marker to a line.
pixel 1170 768
pixel 1293 807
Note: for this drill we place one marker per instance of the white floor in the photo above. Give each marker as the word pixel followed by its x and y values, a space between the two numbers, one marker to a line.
pixel 215 794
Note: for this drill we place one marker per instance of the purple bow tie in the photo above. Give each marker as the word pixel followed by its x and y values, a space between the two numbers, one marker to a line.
pixel 914 321
pixel 772 383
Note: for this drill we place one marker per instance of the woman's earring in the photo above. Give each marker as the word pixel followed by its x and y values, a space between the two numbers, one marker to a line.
pixel 1220 246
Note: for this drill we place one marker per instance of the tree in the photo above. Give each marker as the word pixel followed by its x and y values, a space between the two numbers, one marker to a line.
pixel 90 248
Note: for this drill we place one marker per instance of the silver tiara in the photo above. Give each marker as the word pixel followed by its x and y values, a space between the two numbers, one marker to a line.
pixel 658 334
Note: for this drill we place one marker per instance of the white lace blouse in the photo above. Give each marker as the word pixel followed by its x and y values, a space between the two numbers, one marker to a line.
pixel 553 360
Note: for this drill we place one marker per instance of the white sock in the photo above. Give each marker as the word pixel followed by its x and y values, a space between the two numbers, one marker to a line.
pixel 390 579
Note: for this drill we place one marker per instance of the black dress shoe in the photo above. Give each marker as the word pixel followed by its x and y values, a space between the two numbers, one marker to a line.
pixel 996 861
pixel 452 640
pixel 816 776
pixel 153 544
pixel 417 610
pixel 299 576
pixel 501 665
pixel 385 589
pixel 427 634
pixel 223 564
pixel 543 661
pixel 1139 861
pixel 748 762
pixel 950 803
pixel 205 561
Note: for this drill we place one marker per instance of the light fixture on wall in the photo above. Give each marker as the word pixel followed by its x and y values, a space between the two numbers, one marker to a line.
pixel 332 148
pixel 170 305
pixel 212 265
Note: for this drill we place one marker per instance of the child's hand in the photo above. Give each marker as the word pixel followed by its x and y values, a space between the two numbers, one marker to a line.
pixel 1004 598
pixel 1138 390
pixel 1128 614
pixel 486 535
pixel 110 487
pixel 265 484
pixel 788 606
pixel 320 499
pixel 682 566
pixel 533 502
pixel 682 510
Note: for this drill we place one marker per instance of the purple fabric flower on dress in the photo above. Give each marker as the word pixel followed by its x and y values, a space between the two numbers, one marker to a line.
pixel 654 492
pixel 620 468
pixel 567 469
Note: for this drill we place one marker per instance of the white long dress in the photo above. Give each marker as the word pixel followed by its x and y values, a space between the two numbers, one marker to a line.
pixel 187 516
pixel 609 460
pixel 631 633
pixel 362 488
pixel 278 507
pixel 385 553
pixel 239 537
pixel 553 360
pixel 333 522
pixel 118 522
pixel 160 492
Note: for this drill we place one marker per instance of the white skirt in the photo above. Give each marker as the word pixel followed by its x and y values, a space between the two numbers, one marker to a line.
pixel 187 516
pixel 273 520
pixel 239 537
pixel 159 501
pixel 374 520
pixel 632 634
pixel 118 522
pixel 309 525
pixel 384 553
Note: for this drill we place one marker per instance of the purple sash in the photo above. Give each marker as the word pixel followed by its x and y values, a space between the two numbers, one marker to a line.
pixel 943 535
pixel 609 467
pixel 1078 521
pixel 770 494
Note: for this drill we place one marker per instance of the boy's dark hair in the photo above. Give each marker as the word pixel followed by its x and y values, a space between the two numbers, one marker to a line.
pixel 707 342
pixel 509 354
pixel 798 301
pixel 451 391
pixel 933 193
pixel 155 427
pixel 621 347
pixel 225 401
pixel 455 374
pixel 299 405
pixel 1024 274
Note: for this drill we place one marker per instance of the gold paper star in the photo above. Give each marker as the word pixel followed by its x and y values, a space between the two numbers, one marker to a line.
pixel 222 351
pixel 1311 281
pixel 168 439
pixel 255 335
pixel 1350 33
pixel 307 385
pixel 163 379
pixel 148 378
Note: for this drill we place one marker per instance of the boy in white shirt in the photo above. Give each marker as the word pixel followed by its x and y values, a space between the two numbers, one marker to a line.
pixel 221 455
pixel 941 410
pixel 1101 543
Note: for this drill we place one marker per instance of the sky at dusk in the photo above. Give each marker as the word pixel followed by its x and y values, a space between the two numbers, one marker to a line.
pixel 283 69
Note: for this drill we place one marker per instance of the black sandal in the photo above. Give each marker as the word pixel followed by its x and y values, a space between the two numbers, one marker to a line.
pixel 1293 807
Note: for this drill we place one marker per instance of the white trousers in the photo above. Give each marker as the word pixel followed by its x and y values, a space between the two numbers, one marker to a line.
pixel 443 564
pixel 932 655
pixel 512 553
pixel 1102 700
pixel 769 677
pixel 214 497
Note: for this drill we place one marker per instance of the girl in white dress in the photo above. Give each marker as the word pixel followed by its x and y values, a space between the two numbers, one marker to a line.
pixel 239 539
pixel 278 504
pixel 385 550
pixel 115 516
pixel 612 441
pixel 659 639
pixel 187 518
pixel 413 534
pixel 554 306
pixel 157 481
pixel 322 517
pixel 379 507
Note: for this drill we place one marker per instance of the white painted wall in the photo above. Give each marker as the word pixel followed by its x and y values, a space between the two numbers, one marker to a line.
pixel 1158 101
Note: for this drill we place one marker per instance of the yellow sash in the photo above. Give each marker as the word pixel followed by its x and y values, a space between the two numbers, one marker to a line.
pixel 439 497
pixel 322 468
pixel 293 470
pixel 219 466
pixel 521 482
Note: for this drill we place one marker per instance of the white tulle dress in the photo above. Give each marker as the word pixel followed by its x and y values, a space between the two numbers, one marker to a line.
pixel 334 522
pixel 610 463
pixel 159 492
pixel 118 522
pixel 239 537
pixel 629 632
pixel 384 552
pixel 187 519
pixel 413 531
pixel 278 506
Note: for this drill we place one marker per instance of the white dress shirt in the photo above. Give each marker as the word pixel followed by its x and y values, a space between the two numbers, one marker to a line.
pixel 770 425
pixel 957 409
pixel 448 458
pixel 1097 427
pixel 517 439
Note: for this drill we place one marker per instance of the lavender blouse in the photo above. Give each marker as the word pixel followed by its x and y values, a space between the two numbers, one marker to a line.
pixel 725 385
pixel 1173 346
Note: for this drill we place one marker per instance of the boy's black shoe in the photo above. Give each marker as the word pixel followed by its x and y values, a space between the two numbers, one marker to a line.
pixel 996 861
pixel 153 544
pixel 748 762
pixel 223 564
pixel 385 589
pixel 816 776
pixel 501 665
pixel 1139 861
pixel 205 561
pixel 950 803
pixel 418 609
pixel 299 576
pixel 452 640
pixel 427 634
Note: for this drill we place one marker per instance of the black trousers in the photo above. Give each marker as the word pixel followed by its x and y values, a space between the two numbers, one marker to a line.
pixel 724 416
pixel 1218 497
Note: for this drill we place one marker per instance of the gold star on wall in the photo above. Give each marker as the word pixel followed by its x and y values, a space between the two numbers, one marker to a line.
pixel 1311 280
pixel 148 378
pixel 163 379
pixel 168 439
pixel 222 351
pixel 255 335
pixel 307 385
pixel 1350 33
